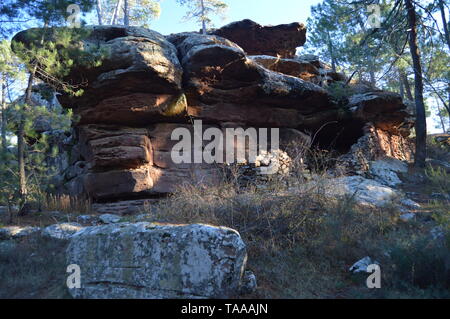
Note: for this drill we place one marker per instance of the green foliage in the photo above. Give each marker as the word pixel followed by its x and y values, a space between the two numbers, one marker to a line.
pixel 8 178
pixel 340 92
pixel 140 12
pixel 50 12
pixel 202 10
pixel 143 11
pixel 55 53
pixel 338 31
pixel 8 62
pixel 421 262
pixel 42 149
pixel 438 179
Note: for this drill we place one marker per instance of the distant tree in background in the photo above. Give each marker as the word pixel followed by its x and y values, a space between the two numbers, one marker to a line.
pixel 440 77
pixel 324 32
pixel 339 31
pixel 202 10
pixel 127 12
pixel 10 71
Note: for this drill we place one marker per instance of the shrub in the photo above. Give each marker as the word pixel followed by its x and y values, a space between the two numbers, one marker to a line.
pixel 436 150
pixel 438 179
pixel 340 92
pixel 422 262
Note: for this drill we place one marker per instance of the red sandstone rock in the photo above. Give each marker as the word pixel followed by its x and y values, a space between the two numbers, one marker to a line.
pixel 224 86
pixel 384 109
pixel 135 60
pixel 134 109
pixel 129 151
pixel 303 70
pixel 126 183
pixel 281 40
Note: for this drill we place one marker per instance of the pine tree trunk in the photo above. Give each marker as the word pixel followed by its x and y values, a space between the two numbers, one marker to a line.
pixel 448 110
pixel 99 12
pixel 373 80
pixel 444 22
pixel 404 80
pixel 441 117
pixel 401 87
pixel 331 52
pixel 4 121
pixel 203 17
pixel 126 13
pixel 421 124
pixel 21 143
pixel 371 67
pixel 116 12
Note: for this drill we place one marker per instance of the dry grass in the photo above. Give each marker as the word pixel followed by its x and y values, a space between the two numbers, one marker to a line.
pixel 66 209
pixel 300 244
pixel 66 204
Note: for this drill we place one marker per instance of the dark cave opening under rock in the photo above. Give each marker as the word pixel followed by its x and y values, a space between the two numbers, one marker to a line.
pixel 338 136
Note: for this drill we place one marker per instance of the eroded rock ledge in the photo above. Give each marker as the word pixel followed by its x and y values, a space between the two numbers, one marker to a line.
pixel 149 84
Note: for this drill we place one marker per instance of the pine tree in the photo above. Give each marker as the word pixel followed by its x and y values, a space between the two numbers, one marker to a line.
pixel 49 13
pixel 389 55
pixel 202 10
pixel 127 12
pixel 7 72
pixel 339 31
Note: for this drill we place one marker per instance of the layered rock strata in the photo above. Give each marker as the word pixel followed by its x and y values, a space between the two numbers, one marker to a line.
pixel 242 76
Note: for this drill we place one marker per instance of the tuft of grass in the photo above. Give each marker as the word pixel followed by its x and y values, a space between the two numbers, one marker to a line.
pixel 66 204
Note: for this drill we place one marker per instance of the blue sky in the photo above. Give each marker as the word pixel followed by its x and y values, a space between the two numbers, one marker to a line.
pixel 262 11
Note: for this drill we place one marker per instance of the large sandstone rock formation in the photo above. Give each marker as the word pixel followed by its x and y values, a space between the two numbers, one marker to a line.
pixel 143 260
pixel 148 85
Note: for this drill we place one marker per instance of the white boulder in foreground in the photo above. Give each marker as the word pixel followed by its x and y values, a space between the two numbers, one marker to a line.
pixel 145 260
